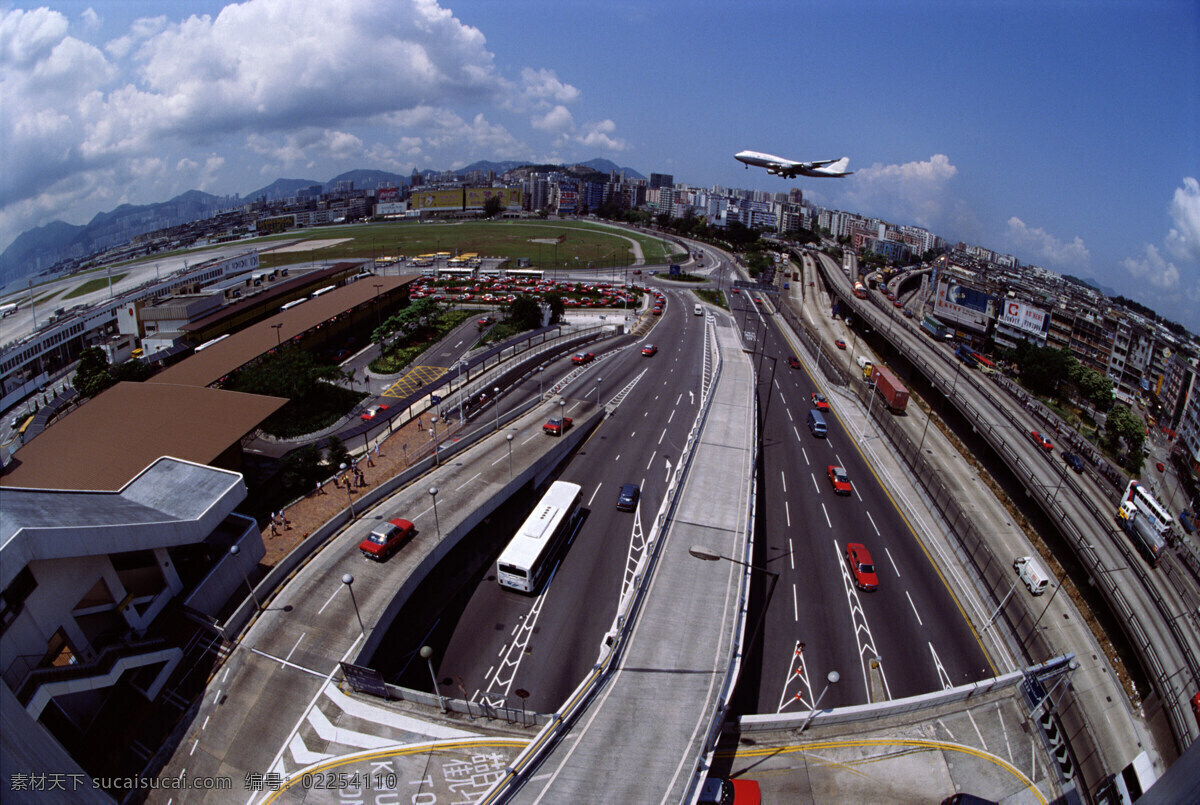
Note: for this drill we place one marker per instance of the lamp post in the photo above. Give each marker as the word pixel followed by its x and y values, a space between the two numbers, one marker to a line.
pixel 433 435
pixel 433 490
pixel 709 555
pixel 348 580
pixel 378 313
pixel 538 372
pixel 461 364
pixel 427 654
pixel 509 439
pixel 234 550
pixel 831 679
pixel 496 402
pixel 599 380
pixel 278 337
pixel 349 494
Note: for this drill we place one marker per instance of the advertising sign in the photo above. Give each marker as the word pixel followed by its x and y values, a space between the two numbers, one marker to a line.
pixel 391 208
pixel 387 194
pixel 1023 317
pixel 964 306
pixel 438 199
pixel 510 197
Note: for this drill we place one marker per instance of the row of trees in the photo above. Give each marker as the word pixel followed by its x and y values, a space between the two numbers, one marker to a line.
pixel 1056 374
pixel 94 374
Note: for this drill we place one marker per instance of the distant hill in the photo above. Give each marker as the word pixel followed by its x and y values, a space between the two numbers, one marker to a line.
pixel 44 246
pixel 1091 283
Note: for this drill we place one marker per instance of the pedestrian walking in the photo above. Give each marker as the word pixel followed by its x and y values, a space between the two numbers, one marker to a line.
pixel 320 491
pixel 370 461
pixel 336 481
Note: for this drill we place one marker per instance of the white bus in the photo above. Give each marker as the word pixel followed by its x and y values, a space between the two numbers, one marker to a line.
pixel 531 553
pixel 1148 506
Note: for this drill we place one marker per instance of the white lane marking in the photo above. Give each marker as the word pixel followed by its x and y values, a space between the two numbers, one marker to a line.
pixel 816 488
pixel 893 561
pixel 195 743
pixel 795 605
pixel 827 520
pixel 664 435
pixel 787 513
pixel 671 416
pixel 914 608
pixel 796 432
pixel 651 461
pixel 783 480
pixel 593 497
pixel 531 438
pixel 872 519
pixel 791 553
pixel 205 724
pixel 804 453
pixel 319 611
pixel 468 481
pixel 982 742
pixel 288 658
pixel 789 413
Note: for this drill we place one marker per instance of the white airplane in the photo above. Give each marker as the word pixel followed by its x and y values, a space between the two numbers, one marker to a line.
pixel 790 170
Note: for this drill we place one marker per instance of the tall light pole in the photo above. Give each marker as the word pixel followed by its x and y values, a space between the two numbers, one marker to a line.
pixel 709 555
pixel 509 439
pixel 348 580
pixel 278 337
pixel 496 402
pixel 427 654
pixel 349 494
pixel 433 435
pixel 378 312
pixel 234 551
pixel 598 381
pixel 461 364
pixel 433 490
pixel 831 679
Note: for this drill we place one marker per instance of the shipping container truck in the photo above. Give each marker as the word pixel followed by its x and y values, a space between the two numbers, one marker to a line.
pixel 893 392
pixel 1142 532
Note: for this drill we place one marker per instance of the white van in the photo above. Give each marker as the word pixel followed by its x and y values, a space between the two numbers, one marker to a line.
pixel 864 363
pixel 699 310
pixel 1029 570
pixel 816 423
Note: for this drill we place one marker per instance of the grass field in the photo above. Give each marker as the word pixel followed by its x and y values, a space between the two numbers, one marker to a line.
pixel 93 285
pixel 584 243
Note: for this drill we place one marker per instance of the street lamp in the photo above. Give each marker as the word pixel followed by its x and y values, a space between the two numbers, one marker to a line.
pixel 378 313
pixel 496 402
pixel 461 364
pixel 426 652
pixel 433 435
pixel 832 677
pixel 598 381
pixel 509 439
pixel 348 580
pixel 349 494
pixel 234 551
pixel 278 337
pixel 709 555
pixel 433 490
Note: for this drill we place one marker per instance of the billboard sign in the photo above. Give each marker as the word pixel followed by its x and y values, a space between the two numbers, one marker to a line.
pixel 1023 317
pixel 964 306
pixel 387 194
pixel 438 199
pixel 510 197
pixel 391 208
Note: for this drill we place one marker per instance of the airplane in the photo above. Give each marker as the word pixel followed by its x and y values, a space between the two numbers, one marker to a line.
pixel 790 170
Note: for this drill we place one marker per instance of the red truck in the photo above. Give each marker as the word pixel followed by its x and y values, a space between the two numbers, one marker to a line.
pixel 557 427
pixel 893 392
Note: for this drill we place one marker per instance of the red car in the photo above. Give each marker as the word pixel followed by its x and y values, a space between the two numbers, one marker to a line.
pixel 657 311
pixel 897 303
pixel 839 479
pixel 386 539
pixel 372 411
pixel 840 344
pixel 819 402
pixel 1041 441
pixel 557 427
pixel 862 567
pixel 582 358
pixel 793 362
pixel 728 791
pixel 649 350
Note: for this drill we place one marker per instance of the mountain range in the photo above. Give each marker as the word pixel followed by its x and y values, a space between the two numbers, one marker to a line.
pixel 41 247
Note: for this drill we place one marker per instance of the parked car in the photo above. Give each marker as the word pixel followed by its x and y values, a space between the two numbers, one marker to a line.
pixel 627 498
pixel 1041 441
pixel 726 791
pixel 819 402
pixel 839 479
pixel 557 427
pixel 1073 461
pixel 386 539
pixel 862 567
pixel 649 350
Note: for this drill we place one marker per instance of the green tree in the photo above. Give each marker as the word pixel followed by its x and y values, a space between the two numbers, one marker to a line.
pixel 492 206
pixel 290 372
pixel 1123 425
pixel 336 453
pixel 524 312
pixel 301 469
pixel 555 302
pixel 92 375
pixel 132 372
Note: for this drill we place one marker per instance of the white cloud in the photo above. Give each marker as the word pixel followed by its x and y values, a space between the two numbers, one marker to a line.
pixel 916 192
pixel 1152 268
pixel 90 20
pixel 543 86
pixel 1183 240
pixel 599 135
pixel 1047 248
pixel 556 120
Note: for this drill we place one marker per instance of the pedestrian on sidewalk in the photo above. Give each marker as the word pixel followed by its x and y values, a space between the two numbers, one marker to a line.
pixel 320 491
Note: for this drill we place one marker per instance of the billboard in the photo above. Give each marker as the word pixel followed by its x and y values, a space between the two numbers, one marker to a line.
pixel 391 208
pixel 437 199
pixel 962 305
pixel 1023 317
pixel 385 194
pixel 510 197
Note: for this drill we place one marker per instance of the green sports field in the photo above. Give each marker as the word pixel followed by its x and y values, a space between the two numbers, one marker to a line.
pixel 582 243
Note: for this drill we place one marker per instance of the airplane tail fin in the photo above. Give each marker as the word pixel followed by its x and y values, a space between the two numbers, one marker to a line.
pixel 838 168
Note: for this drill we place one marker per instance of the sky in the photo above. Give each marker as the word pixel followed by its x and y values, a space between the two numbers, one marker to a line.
pixel 1065 133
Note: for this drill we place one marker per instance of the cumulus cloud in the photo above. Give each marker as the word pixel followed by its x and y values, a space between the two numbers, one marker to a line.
pixel 1183 240
pixel 600 135
pixel 1153 268
pixel 543 86
pixel 556 120
pixel 1182 245
pixel 911 191
pixel 1048 249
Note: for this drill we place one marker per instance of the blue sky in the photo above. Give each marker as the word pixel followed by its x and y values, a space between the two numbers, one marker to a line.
pixel 1065 133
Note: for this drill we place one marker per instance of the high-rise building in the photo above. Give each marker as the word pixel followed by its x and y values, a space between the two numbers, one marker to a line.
pixel 658 180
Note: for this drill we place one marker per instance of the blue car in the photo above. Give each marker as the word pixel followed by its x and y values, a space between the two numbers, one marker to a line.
pixel 1073 461
pixel 628 497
